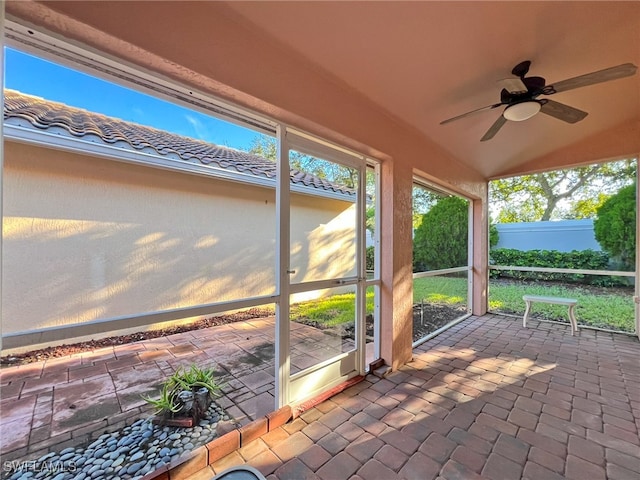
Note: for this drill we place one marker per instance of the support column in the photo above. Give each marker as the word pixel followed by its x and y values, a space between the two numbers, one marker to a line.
pixel 481 253
pixel 396 315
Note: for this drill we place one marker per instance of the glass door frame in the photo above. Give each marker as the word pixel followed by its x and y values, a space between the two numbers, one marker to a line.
pixel 341 367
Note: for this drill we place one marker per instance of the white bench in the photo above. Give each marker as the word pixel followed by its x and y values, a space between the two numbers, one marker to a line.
pixel 569 302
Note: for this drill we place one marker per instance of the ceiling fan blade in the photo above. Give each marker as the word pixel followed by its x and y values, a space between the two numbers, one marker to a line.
pixel 489 107
pixel 613 73
pixel 497 125
pixel 563 112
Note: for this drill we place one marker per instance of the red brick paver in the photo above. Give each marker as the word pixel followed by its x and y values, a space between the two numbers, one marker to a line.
pixel 67 401
pixel 486 399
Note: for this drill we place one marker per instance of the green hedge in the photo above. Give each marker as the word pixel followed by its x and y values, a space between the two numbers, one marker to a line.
pixel 576 259
pixel 370 257
pixel 441 240
pixel 615 226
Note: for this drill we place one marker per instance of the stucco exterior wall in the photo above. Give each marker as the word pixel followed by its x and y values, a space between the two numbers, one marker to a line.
pixel 238 63
pixel 90 239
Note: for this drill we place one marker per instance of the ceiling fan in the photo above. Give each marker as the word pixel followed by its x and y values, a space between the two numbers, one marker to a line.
pixel 520 95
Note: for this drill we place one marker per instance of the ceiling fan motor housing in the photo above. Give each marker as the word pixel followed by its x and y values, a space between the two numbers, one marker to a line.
pixel 534 83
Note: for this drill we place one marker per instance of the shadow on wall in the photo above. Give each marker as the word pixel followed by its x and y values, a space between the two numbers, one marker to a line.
pixel 93 239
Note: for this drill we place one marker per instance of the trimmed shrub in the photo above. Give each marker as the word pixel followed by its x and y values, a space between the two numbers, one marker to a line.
pixel 494 235
pixel 576 259
pixel 615 227
pixel 441 239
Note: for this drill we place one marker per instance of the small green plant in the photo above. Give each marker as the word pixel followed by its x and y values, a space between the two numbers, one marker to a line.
pixel 167 403
pixel 193 379
pixel 183 384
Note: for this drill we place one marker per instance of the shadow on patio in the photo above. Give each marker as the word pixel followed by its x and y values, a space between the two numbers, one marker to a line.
pixel 67 401
pixel 486 398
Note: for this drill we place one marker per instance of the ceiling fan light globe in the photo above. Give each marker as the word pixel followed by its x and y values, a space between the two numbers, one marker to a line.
pixel 521 111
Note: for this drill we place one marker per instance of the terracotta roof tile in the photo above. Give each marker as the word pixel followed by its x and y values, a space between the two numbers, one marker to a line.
pixel 45 114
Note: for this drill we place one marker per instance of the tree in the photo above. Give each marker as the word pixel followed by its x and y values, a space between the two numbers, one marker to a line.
pixel 542 196
pixel 422 199
pixel 441 240
pixel 588 207
pixel 615 226
pixel 266 147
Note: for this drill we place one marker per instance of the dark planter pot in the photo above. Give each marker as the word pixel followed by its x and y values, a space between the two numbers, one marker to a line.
pixel 185 422
pixel 202 401
pixel 186 398
pixel 195 405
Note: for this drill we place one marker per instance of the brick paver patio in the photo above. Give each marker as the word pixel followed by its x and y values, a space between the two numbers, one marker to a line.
pixel 486 399
pixel 66 401
pixel 62 402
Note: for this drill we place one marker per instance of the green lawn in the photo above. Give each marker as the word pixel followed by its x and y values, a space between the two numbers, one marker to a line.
pixel 330 311
pixel 442 290
pixel 604 310
pixel 613 311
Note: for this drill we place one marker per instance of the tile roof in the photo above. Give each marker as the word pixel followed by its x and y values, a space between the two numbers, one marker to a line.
pixel 44 114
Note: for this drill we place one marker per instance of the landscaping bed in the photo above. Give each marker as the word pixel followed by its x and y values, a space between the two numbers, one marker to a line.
pixel 434 317
pixel 64 350
pixel 427 318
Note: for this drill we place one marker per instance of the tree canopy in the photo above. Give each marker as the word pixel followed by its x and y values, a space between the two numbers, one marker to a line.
pixel 266 147
pixel 563 194
pixel 423 200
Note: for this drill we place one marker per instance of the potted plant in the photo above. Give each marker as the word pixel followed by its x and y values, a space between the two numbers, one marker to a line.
pixel 185 396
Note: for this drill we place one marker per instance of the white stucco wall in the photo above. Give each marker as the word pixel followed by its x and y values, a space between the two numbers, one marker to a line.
pixel 91 239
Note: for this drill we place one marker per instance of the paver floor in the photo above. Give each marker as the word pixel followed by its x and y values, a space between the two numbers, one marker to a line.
pixel 66 401
pixel 487 399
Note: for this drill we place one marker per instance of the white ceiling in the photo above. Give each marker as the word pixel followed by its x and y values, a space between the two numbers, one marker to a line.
pixel 424 62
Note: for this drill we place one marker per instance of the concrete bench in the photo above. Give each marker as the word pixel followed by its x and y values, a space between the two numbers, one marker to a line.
pixel 569 302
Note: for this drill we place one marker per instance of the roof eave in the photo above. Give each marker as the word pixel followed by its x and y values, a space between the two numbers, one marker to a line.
pixel 103 150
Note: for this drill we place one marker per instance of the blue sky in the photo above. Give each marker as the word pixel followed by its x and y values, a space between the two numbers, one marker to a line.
pixel 35 76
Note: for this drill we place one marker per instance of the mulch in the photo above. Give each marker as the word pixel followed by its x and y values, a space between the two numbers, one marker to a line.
pixel 426 319
pixel 64 350
pixel 429 317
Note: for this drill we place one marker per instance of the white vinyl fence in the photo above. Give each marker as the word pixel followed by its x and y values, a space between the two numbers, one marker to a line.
pixel 562 235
